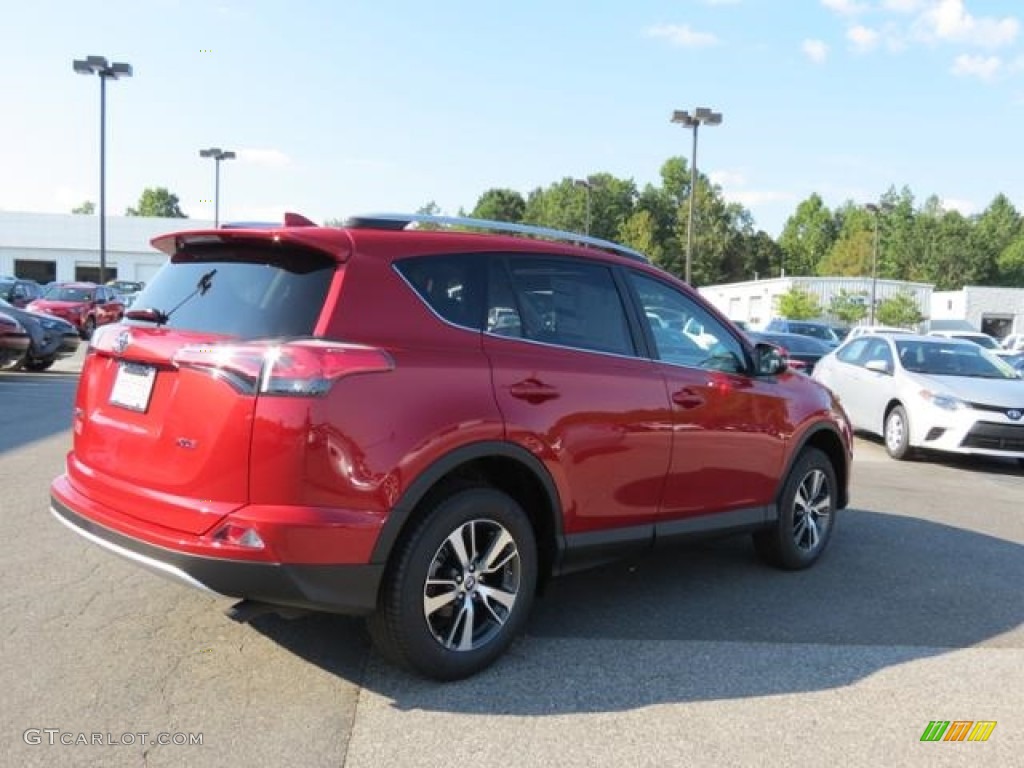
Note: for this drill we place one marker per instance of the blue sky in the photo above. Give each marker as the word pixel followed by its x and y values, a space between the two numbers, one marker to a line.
pixel 343 107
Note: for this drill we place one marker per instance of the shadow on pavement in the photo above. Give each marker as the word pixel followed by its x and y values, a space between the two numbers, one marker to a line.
pixel 709 622
pixel 34 406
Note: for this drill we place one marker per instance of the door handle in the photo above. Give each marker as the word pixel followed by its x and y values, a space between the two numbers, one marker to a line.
pixel 533 391
pixel 687 398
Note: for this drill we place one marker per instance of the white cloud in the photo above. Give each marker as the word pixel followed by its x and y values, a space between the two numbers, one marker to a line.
pixel 903 6
pixel 815 50
pixel 845 7
pixel 863 38
pixel 966 207
pixel 949 21
pixel 682 35
pixel 728 178
pixel 269 158
pixel 751 197
pixel 983 67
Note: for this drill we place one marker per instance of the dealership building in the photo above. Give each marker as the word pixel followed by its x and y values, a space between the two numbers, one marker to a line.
pixel 63 246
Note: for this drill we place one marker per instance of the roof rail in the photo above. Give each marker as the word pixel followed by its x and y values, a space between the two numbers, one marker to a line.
pixel 290 220
pixel 397 221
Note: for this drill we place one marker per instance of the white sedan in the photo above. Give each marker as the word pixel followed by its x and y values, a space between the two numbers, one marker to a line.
pixel 928 392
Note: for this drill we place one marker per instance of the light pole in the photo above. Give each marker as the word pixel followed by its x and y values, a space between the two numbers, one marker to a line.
pixel 98 65
pixel 588 186
pixel 875 210
pixel 217 154
pixel 700 116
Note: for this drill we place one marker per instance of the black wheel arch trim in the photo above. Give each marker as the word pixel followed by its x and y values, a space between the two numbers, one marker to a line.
pixel 842 480
pixel 428 478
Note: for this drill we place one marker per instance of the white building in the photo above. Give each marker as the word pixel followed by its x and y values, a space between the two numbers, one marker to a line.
pixel 992 310
pixel 756 301
pixel 65 246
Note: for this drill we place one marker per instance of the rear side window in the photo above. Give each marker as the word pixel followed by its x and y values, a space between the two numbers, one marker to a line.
pixel 451 285
pixel 254 291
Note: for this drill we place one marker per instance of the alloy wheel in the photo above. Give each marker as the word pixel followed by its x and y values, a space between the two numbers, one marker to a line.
pixel 811 509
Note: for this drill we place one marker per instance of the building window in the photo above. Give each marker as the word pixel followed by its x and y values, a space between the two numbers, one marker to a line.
pixel 32 269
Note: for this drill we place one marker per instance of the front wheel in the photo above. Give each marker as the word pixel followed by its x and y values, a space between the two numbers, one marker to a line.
pixel 460 587
pixel 88 328
pixel 806 514
pixel 36 364
pixel 897 434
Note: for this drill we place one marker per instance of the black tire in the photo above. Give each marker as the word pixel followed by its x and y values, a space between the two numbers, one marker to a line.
pixel 88 327
pixel 806 515
pixel 34 365
pixel 896 434
pixel 450 547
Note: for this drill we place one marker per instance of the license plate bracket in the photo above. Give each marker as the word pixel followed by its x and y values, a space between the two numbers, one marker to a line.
pixel 133 386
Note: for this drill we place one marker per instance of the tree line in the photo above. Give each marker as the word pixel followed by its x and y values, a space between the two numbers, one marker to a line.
pixel 924 242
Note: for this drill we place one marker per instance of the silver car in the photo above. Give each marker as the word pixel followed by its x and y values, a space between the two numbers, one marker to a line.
pixel 928 392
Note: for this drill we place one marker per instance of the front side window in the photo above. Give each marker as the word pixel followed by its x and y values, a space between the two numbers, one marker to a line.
pixel 853 353
pixel 684 332
pixel 558 301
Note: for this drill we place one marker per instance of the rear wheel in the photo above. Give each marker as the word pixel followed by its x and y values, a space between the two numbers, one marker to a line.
pixel 897 434
pixel 34 364
pixel 806 514
pixel 460 586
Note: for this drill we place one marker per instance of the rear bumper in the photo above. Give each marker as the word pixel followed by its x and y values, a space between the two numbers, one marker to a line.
pixel 347 589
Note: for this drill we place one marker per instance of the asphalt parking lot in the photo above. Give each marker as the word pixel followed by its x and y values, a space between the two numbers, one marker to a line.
pixel 696 656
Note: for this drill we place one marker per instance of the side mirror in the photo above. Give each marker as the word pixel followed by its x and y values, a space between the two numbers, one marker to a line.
pixel 879 366
pixel 768 360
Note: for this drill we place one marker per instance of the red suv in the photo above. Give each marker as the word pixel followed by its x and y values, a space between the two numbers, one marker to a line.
pixel 421 426
pixel 85 305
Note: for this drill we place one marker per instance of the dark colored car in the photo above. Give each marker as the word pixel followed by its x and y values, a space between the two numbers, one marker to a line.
pixel 423 426
pixel 14 341
pixel 85 305
pixel 801 352
pixel 50 338
pixel 19 292
pixel 821 331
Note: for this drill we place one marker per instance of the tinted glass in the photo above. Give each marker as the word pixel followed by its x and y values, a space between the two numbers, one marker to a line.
pixel 254 291
pixel 684 332
pixel 951 360
pixel 559 301
pixel 449 284
pixel 70 293
pixel 794 342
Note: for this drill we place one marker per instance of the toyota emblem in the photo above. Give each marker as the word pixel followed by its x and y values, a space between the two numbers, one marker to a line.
pixel 1014 414
pixel 122 341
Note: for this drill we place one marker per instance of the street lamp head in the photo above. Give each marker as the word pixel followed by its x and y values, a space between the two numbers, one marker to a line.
pixel 217 153
pixel 700 116
pixel 582 183
pixel 98 65
pixel 872 208
pixel 683 117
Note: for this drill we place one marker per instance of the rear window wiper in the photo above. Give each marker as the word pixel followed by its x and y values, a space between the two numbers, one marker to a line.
pixel 153 315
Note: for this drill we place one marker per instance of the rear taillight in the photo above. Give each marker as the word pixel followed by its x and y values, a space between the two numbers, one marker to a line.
pixel 299 368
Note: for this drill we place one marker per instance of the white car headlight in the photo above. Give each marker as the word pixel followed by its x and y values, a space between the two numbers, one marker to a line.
pixel 944 401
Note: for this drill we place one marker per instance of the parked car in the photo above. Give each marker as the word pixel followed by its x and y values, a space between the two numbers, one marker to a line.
pixel 85 305
pixel 822 331
pixel 863 330
pixel 928 392
pixel 802 353
pixel 14 341
pixel 1013 343
pixel 423 426
pixel 50 338
pixel 128 290
pixel 983 340
pixel 18 291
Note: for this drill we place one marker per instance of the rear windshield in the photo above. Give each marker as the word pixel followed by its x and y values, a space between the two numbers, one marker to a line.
pixel 254 291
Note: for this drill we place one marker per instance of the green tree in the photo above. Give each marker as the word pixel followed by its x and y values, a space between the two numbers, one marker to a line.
pixel 500 205
pixel 157 202
pixel 848 307
pixel 807 237
pixel 899 310
pixel 428 209
pixel 798 304
pixel 853 251
pixel 992 232
pixel 640 233
pixel 1011 264
pixel 87 208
